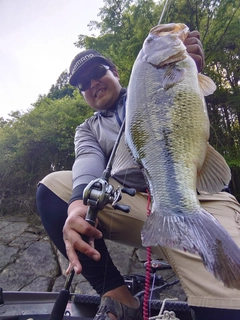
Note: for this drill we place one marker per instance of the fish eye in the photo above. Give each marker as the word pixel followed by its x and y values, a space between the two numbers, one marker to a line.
pixel 149 39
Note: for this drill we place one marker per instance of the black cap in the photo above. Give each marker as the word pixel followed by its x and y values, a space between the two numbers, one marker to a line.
pixel 83 60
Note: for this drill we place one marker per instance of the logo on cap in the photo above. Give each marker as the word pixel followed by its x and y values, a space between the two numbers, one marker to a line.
pixel 82 60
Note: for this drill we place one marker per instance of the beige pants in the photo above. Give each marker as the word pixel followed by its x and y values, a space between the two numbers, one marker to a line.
pixel 200 286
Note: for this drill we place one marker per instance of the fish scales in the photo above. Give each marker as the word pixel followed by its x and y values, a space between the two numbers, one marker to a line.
pixel 165 139
pixel 167 132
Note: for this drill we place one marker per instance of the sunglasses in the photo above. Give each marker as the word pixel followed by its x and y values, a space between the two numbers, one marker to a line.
pixel 95 74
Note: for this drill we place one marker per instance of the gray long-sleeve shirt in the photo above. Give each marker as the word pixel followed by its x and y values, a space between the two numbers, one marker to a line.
pixel 94 141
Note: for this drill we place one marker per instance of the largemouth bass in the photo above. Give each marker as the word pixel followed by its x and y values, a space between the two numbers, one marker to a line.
pixel 167 131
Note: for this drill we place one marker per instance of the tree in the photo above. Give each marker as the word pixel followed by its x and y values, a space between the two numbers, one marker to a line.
pixel 41 141
pixel 61 88
pixel 218 23
pixel 122 39
pixel 35 144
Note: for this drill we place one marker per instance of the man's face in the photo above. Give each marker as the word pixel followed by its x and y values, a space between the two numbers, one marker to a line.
pixel 102 93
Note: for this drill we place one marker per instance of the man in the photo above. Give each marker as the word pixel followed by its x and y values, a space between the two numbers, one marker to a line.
pixel 60 204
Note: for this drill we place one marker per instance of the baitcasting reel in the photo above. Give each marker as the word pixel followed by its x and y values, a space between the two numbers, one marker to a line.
pixel 98 193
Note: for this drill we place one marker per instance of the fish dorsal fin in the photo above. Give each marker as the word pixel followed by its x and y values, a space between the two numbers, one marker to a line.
pixel 215 174
pixel 206 84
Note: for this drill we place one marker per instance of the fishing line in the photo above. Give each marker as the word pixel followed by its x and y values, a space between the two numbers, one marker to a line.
pixel 151 292
pixel 165 9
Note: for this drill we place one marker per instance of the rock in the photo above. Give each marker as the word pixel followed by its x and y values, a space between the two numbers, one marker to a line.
pixel 34 262
pixel 10 231
pixel 24 240
pixel 39 284
pixel 58 283
pixel 30 262
pixel 7 255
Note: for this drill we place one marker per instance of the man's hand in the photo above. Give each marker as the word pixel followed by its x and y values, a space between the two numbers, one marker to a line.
pixel 195 49
pixel 74 227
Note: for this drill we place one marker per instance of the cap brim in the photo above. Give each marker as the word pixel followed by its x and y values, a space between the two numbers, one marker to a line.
pixel 73 79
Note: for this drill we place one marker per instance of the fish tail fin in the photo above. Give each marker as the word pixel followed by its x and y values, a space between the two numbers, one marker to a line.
pixel 199 233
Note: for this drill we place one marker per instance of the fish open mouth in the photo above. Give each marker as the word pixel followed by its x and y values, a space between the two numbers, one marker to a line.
pixel 180 29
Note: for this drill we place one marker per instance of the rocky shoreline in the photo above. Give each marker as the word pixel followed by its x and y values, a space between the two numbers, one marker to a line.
pixel 30 262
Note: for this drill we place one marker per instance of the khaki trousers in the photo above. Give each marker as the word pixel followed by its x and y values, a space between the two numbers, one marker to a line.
pixel 200 286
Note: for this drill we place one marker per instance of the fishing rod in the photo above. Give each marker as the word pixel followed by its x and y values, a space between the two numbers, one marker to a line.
pixel 97 194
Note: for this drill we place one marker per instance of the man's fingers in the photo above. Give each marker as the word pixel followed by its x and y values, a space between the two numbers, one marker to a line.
pixel 73 243
pixel 76 229
pixel 82 227
pixel 74 262
pixel 194 34
pixel 69 268
pixel 195 49
pixel 198 60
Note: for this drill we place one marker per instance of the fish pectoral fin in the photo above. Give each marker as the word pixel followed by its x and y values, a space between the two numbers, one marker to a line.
pixel 215 174
pixel 172 76
pixel 206 84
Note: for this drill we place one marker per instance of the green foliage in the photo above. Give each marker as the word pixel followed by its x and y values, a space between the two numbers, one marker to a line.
pixel 222 45
pixel 34 144
pixel 121 37
pixel 41 141
pixel 218 23
pixel 61 88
